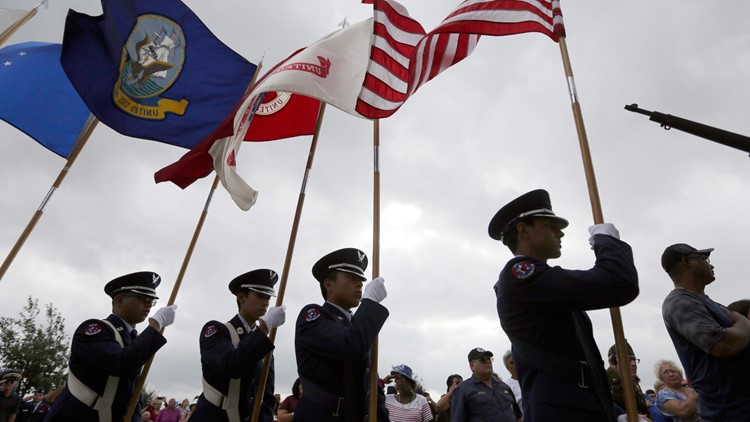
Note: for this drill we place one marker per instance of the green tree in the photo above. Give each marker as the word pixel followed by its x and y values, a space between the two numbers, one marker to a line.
pixel 40 350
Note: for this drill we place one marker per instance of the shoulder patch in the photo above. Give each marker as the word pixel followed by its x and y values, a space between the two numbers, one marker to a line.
pixel 523 269
pixel 93 329
pixel 312 314
pixel 209 331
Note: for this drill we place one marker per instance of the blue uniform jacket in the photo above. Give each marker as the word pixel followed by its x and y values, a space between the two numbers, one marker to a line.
pixel 334 355
pixel 539 308
pixel 94 356
pixel 220 361
pixel 474 401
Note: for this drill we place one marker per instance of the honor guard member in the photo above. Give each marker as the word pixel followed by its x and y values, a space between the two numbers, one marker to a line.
pixel 542 310
pixel 106 355
pixel 333 346
pixel 232 353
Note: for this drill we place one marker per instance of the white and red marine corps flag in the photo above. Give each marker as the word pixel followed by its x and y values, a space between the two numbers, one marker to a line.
pixel 331 70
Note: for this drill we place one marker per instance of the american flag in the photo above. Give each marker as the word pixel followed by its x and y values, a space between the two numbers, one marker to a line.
pixel 403 57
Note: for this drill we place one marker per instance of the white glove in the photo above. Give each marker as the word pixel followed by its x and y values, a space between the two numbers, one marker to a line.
pixel 375 290
pixel 275 317
pixel 606 228
pixel 165 316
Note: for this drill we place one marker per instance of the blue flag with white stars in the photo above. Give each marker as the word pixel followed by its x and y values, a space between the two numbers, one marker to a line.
pixel 151 69
pixel 37 97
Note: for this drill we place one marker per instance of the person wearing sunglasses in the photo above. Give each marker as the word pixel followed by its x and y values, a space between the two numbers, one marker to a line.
pixel 712 342
pixel 482 397
pixel 232 353
pixel 106 355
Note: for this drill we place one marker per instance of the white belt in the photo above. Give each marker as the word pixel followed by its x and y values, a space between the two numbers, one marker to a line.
pixel 230 403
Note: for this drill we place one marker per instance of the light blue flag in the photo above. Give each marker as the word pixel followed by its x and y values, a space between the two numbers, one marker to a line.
pixel 37 98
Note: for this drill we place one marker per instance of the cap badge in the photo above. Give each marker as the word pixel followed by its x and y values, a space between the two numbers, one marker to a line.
pixel 479 349
pixel 360 256
pixel 155 278
pixel 209 331
pixel 312 314
pixel 93 329
pixel 523 269
pixel 271 274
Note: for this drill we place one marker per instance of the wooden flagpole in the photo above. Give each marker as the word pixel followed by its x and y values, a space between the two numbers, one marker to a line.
pixel 13 28
pixel 83 136
pixel 373 403
pixel 288 262
pixel 147 367
pixel 596 208
pixel 173 296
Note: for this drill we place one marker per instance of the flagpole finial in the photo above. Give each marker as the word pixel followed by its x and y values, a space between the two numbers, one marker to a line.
pixel 344 23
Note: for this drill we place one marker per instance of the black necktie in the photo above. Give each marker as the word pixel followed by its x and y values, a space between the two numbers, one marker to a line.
pixel 133 335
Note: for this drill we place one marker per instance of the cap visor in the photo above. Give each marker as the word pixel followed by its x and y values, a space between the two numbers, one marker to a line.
pixel 268 292
pixel 561 222
pixel 705 251
pixel 358 274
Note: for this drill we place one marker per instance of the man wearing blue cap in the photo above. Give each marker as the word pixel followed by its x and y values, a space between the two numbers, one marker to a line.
pixel 106 355
pixel 232 353
pixel 482 397
pixel 713 343
pixel 542 309
pixel 333 346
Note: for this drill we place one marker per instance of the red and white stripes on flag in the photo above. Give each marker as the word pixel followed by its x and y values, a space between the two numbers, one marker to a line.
pixel 403 57
pixel 395 35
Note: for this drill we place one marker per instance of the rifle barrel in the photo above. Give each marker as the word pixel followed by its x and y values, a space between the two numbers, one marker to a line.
pixel 711 133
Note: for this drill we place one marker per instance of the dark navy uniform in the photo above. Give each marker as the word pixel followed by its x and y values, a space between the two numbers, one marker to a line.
pixel 333 359
pixel 94 356
pixel 97 358
pixel 221 362
pixel 541 309
pixel 231 371
pixel 475 401
pixel 33 412
pixel 333 353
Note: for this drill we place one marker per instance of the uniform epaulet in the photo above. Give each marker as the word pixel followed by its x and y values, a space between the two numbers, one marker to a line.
pixel 211 328
pixel 311 312
pixel 92 327
pixel 522 268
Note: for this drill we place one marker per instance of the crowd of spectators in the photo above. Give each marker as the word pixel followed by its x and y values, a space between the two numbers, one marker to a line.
pixel 671 399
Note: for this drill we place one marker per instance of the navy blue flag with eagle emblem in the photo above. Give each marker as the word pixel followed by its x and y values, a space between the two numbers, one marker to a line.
pixel 151 69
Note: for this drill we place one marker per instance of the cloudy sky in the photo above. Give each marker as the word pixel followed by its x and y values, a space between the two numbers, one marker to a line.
pixel 480 134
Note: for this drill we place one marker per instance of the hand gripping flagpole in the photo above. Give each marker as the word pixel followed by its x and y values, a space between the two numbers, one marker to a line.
pixel 13 28
pixel 133 403
pixel 373 402
pixel 83 136
pixel 596 208
pixel 287 263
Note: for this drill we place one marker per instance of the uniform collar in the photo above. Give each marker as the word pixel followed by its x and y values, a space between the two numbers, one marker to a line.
pixel 347 314
pixel 126 327
pixel 245 324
